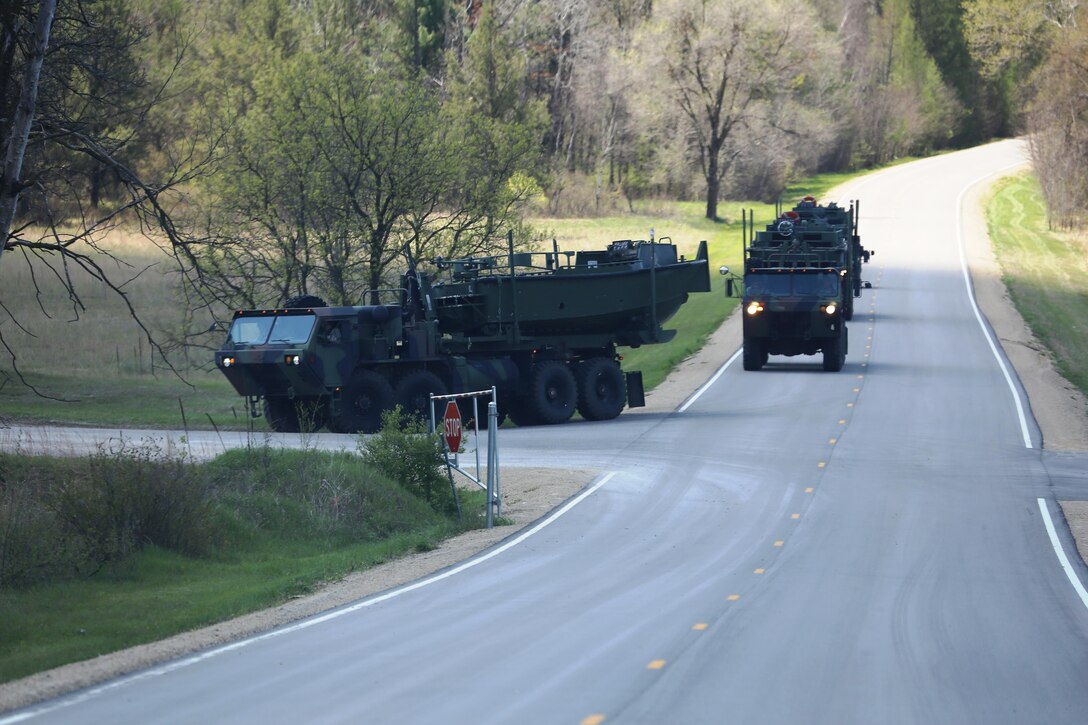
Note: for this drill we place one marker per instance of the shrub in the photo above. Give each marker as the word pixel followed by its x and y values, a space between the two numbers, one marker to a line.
pixel 60 517
pixel 406 452
pixel 130 496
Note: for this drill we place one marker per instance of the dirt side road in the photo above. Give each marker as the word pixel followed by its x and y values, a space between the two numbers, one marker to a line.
pixel 529 494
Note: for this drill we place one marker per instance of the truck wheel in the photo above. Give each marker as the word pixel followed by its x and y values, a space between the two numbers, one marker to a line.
pixel 304 301
pixel 520 413
pixel 834 355
pixel 413 393
pixel 281 414
pixel 602 389
pixel 552 392
pixel 753 356
pixel 362 402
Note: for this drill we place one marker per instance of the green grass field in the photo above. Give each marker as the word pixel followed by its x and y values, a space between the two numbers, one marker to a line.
pixel 1045 271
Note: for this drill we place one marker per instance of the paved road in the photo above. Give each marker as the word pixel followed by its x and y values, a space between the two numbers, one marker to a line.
pixel 795 546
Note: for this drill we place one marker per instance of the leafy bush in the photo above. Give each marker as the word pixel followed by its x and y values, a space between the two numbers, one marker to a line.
pixel 33 544
pixel 71 516
pixel 406 452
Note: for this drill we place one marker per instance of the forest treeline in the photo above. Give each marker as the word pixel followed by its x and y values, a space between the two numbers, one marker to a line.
pixel 281 147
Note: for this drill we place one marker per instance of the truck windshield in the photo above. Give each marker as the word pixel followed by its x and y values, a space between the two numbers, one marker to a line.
pixel 290 329
pixel 822 284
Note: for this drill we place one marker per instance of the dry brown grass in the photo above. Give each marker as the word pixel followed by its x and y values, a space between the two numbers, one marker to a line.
pixel 51 330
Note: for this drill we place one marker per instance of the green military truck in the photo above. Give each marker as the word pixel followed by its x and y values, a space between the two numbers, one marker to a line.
pixel 540 327
pixel 801 275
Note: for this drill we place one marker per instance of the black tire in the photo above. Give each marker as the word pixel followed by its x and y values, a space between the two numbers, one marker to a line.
pixel 754 356
pixel 413 393
pixel 835 354
pixel 602 389
pixel 362 402
pixel 304 301
pixel 520 413
pixel 281 414
pixel 552 394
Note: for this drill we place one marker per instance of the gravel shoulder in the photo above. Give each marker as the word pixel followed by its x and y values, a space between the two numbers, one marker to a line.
pixel 530 494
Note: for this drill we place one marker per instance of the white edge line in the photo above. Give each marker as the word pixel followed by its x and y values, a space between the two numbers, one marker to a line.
pixel 1062 558
pixel 695 396
pixel 179 664
pixel 974 305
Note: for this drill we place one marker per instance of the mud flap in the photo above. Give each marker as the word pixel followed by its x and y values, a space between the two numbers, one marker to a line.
pixel 636 396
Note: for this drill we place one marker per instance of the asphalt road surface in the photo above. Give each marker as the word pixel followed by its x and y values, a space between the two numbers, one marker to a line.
pixel 795 546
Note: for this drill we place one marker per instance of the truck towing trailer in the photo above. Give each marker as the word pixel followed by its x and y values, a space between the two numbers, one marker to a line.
pixel 540 327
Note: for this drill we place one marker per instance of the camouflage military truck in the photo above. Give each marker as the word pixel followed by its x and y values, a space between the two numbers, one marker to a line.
pixel 815 217
pixel 541 327
pixel 801 275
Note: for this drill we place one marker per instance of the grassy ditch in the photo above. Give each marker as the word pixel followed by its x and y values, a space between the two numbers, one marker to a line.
pixel 103 363
pixel 131 546
pixel 1046 273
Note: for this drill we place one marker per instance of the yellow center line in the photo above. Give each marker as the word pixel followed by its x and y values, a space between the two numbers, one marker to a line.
pixel 700 626
pixel 779 543
pixel 842 421
pixel 822 464
pixel 809 489
pixel 656 665
pixel 593 720
pixel 795 516
pixel 759 571
pixel 733 597
pixel 833 441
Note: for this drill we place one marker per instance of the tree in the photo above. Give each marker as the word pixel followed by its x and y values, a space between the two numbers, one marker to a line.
pixel 940 27
pixel 725 64
pixel 19 106
pixel 499 131
pixel 86 123
pixel 1058 125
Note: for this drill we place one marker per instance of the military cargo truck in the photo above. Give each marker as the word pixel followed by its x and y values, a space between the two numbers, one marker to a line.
pixel 816 217
pixel 801 274
pixel 541 327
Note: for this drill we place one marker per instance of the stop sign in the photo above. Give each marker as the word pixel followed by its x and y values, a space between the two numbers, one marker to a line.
pixel 451 423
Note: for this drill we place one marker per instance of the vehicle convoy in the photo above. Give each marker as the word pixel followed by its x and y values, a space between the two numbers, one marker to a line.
pixel 801 275
pixel 540 327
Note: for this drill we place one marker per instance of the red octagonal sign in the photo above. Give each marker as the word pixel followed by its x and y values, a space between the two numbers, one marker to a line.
pixel 451 423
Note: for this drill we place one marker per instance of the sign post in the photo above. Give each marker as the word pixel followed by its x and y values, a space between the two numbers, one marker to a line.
pixel 453 435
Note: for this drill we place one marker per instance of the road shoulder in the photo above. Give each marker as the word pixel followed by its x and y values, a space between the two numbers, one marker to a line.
pixel 1059 408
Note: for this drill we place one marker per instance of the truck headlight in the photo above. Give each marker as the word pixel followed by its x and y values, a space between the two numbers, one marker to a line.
pixel 754 308
pixel 293 359
pixel 830 308
pixel 228 361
